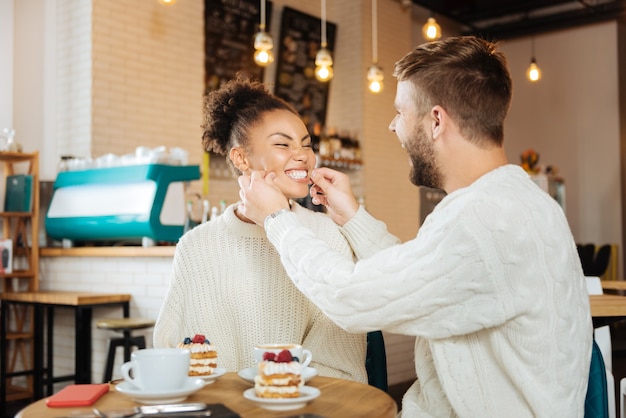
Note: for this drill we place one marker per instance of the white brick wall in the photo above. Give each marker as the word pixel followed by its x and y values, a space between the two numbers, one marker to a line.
pixel 74 63
pixel 145 278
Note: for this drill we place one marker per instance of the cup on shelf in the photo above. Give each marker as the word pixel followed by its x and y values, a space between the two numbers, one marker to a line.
pixel 304 356
pixel 157 369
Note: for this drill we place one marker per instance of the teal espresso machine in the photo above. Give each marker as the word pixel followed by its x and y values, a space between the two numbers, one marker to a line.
pixel 142 203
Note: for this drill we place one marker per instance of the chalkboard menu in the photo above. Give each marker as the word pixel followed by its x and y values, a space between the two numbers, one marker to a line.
pixel 300 38
pixel 229 27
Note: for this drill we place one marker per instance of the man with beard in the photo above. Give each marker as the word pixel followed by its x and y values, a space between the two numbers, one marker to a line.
pixel 491 287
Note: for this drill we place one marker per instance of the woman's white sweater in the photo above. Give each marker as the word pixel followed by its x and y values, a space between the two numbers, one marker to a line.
pixel 228 283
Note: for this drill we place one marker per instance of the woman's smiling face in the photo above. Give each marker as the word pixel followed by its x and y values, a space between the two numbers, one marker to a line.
pixel 280 143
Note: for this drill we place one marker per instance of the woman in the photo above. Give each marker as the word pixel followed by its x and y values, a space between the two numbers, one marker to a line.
pixel 227 281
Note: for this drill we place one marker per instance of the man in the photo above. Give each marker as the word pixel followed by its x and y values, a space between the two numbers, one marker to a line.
pixel 491 286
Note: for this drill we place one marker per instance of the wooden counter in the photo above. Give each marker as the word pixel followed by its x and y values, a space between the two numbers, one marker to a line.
pixel 127 251
pixel 66 298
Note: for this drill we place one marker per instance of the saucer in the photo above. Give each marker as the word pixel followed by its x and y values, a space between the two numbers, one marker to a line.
pixel 160 396
pixel 307 394
pixel 249 373
pixel 217 373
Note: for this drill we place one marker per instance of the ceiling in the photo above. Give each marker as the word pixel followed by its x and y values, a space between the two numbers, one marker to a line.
pixel 502 19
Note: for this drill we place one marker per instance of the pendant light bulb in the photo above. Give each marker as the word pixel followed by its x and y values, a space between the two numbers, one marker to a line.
pixel 534 72
pixel 375 78
pixel 431 30
pixel 167 2
pixel 323 59
pixel 375 74
pixel 323 65
pixel 263 44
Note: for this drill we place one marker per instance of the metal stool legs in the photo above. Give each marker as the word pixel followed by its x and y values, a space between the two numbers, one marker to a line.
pixel 127 341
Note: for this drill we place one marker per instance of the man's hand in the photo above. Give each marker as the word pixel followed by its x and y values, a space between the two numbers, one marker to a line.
pixel 332 189
pixel 259 196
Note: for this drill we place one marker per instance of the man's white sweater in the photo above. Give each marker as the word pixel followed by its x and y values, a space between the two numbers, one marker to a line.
pixel 491 287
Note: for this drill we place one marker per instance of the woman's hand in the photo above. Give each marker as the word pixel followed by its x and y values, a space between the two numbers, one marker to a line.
pixel 259 196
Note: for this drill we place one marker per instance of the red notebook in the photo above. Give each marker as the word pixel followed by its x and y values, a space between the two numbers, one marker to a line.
pixel 78 395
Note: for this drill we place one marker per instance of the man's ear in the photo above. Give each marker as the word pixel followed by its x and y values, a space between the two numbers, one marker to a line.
pixel 238 157
pixel 438 118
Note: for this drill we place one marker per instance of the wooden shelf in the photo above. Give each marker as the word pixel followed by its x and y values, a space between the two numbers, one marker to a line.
pixel 23 230
pixel 19 335
pixel 20 274
pixel 158 251
pixel 16 393
pixel 341 163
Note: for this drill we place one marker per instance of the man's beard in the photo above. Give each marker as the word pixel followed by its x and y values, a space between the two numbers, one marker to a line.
pixel 424 170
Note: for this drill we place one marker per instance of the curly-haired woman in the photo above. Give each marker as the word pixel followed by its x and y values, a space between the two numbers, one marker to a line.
pixel 228 282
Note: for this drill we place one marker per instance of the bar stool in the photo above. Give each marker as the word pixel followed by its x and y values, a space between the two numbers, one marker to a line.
pixel 125 326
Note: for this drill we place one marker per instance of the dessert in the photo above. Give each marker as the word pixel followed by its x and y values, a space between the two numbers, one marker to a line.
pixel 203 356
pixel 279 376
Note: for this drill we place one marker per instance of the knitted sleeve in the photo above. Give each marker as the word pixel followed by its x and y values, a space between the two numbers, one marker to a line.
pixel 446 281
pixel 367 235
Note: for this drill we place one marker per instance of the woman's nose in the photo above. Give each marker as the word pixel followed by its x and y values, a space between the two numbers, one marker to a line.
pixel 300 154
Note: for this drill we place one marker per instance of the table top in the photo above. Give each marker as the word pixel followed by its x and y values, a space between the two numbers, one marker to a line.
pixel 607 305
pixel 65 298
pixel 614 284
pixel 339 398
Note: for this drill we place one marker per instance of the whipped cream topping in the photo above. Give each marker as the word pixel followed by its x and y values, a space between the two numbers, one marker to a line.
pixel 197 348
pixel 271 367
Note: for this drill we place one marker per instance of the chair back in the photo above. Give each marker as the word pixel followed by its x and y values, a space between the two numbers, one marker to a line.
pixel 376 361
pixel 596 400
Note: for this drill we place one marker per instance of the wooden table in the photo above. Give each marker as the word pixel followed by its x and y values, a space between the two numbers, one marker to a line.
pixel 607 308
pixel 339 398
pixel 614 284
pixel 43 304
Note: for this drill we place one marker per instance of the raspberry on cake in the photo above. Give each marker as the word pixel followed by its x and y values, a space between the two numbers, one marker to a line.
pixel 279 376
pixel 203 356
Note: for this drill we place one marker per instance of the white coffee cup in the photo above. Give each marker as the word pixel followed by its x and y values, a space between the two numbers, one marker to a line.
pixel 157 369
pixel 304 356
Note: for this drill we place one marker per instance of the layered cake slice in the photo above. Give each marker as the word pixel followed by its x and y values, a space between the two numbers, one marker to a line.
pixel 203 356
pixel 279 376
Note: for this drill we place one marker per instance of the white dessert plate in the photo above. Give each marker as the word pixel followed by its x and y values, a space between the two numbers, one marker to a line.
pixel 307 394
pixel 249 373
pixel 217 373
pixel 162 396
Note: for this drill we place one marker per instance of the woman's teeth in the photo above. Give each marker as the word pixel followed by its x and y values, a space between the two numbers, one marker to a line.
pixel 297 174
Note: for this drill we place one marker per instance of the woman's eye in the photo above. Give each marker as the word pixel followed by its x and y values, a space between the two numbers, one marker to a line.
pixel 309 145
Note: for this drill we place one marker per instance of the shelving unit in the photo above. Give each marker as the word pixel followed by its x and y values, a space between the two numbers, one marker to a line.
pixel 23 229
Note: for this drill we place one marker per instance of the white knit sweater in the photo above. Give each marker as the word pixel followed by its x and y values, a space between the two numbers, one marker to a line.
pixel 491 287
pixel 228 283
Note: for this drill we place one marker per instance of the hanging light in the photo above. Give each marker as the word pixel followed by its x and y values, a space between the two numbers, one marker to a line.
pixel 375 74
pixel 323 59
pixel 431 30
pixel 533 73
pixel 375 78
pixel 263 43
pixel 167 2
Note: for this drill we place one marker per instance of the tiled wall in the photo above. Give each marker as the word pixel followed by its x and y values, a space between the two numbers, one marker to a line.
pixel 145 88
pixel 145 278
